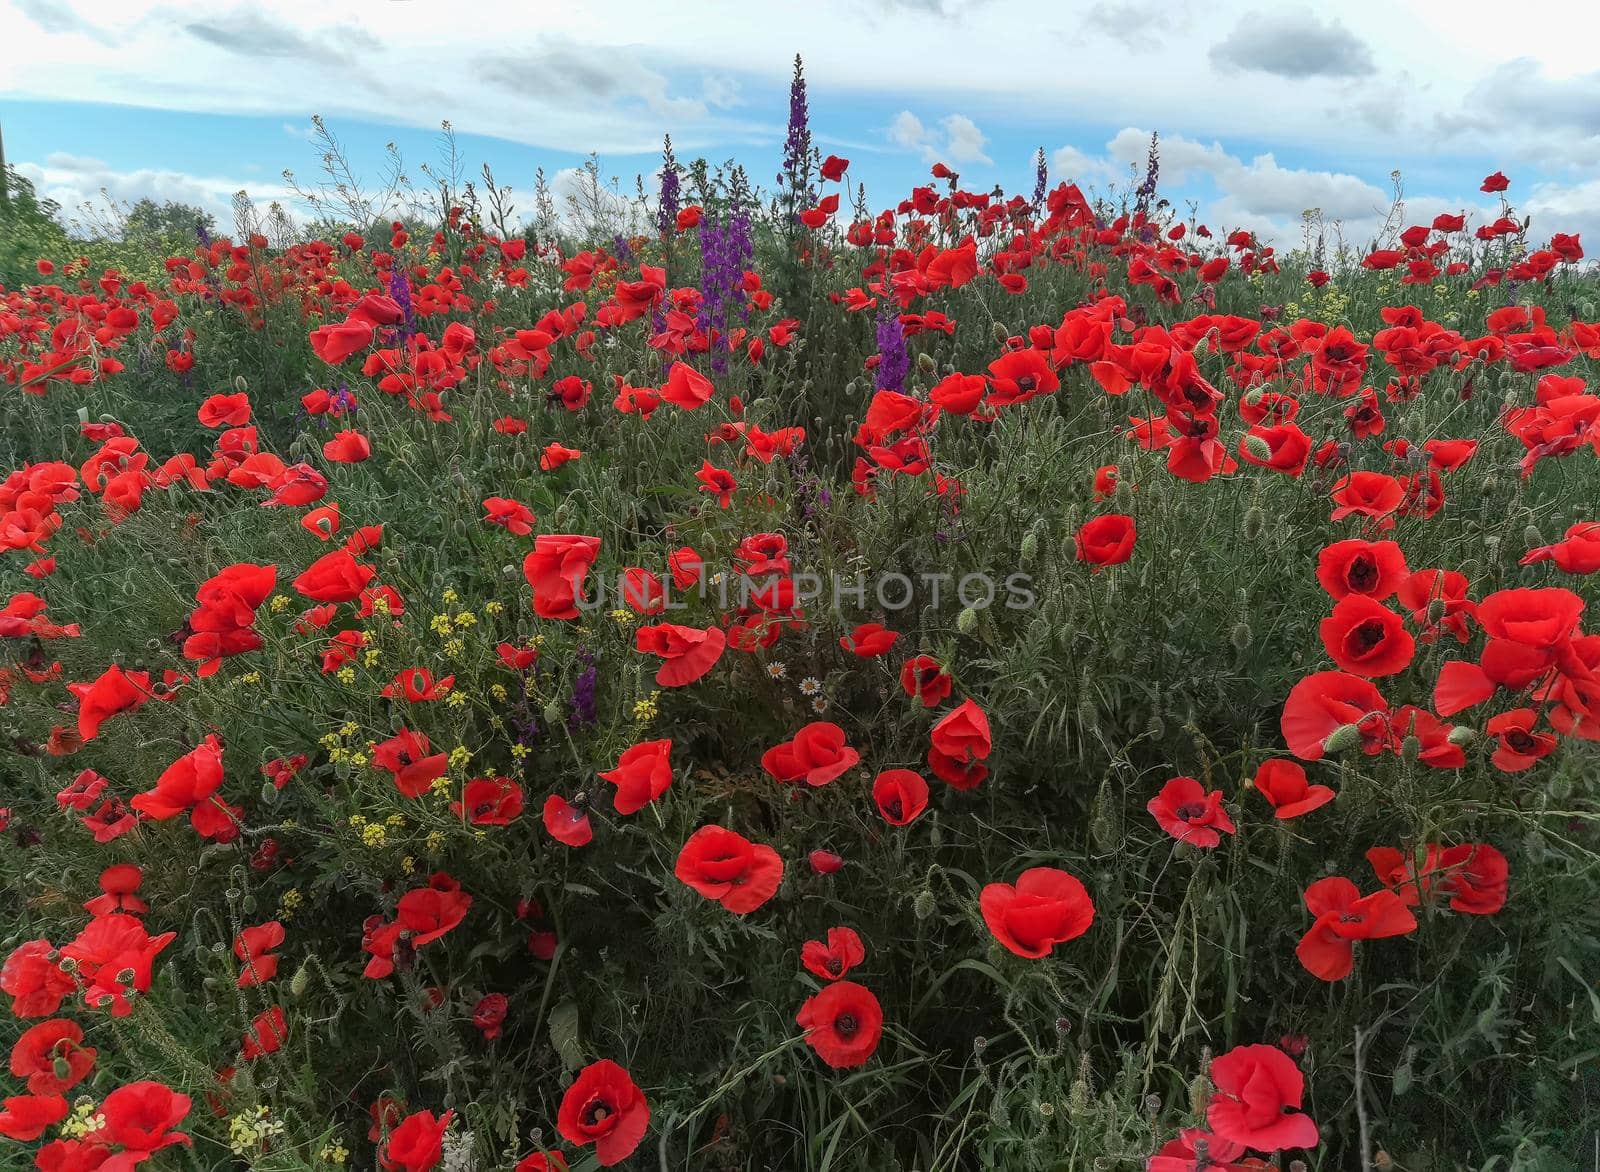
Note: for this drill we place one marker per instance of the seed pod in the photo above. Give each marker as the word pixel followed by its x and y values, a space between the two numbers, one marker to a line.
pixel 1342 739
pixel 1255 520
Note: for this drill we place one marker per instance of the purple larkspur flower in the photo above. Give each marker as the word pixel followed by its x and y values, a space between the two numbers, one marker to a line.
pixel 894 360
pixel 668 204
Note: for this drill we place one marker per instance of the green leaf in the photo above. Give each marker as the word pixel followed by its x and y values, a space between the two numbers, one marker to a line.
pixel 564 1034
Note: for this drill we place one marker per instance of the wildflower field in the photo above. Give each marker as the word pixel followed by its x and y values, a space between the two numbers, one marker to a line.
pixel 987 681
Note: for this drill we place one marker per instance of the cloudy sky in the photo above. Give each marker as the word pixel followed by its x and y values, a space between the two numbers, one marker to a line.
pixel 1265 109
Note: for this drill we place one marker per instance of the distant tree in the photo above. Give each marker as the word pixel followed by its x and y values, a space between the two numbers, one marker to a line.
pixel 28 230
pixel 168 227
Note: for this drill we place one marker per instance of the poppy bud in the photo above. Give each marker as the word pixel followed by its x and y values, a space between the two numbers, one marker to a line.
pixel 1199 1094
pixel 1152 1105
pixel 269 792
pixel 1254 395
pixel 1489 486
pixel 1342 739
pixel 1030 546
pixel 825 862
pixel 1411 748
pixel 1078 1096
pixel 300 981
pixel 239 384
pixel 1254 521
pixel 924 905
pixel 1530 536
pixel 967 621
pixel 1155 726
pixel 850 387
pixel 926 364
pixel 1242 636
pixel 1000 333
pixel 1258 447
pixel 1462 736
pixel 552 712
pixel 63 1069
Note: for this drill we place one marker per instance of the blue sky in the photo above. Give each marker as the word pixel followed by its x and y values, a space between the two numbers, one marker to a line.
pixel 1264 111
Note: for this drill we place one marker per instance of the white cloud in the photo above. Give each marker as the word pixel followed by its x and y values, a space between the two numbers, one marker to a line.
pixel 961 141
pixel 89 190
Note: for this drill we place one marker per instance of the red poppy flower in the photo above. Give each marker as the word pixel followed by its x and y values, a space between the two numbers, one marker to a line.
pixel 1475 875
pixel 1283 783
pixel 604 1107
pixel 1183 1154
pixel 428 913
pixel 335 343
pixel 901 796
pixel 566 823
pixel 718 482
pixel 266 1035
pixel 1373 568
pixel 542 1162
pixel 869 640
pixel 1186 811
pixel 922 678
pixel 225 410
pixel 510 515
pixel 347 447
pixel 1045 907
pixel 114 692
pixel 253 946
pixel 52 1057
pixel 184 784
pixel 642 775
pixel 1577 553
pixel 555 455
pixel 489 801
pixel 962 734
pixel 1326 701
pixel 1521 746
pixel 817 755
pixel 34 980
pixel 689 652
pixel 406 756
pixel 1495 182
pixel 726 866
pixel 1107 540
pixel 686 387
pixel 832 960
pixel 118 886
pixel 1344 915
pixel 140 1117
pixel 25 1117
pixel 1020 375
pixel 1257 1100
pixel 843 1024
pixel 686 567
pixel 334 577
pixel 1369 494
pixel 555 568
pixel 489 1014
pixel 1366 638
pixel 833 168
pixel 417 1144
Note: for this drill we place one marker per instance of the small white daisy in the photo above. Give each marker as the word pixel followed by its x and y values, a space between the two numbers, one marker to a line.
pixel 820 704
pixel 810 686
pixel 777 670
